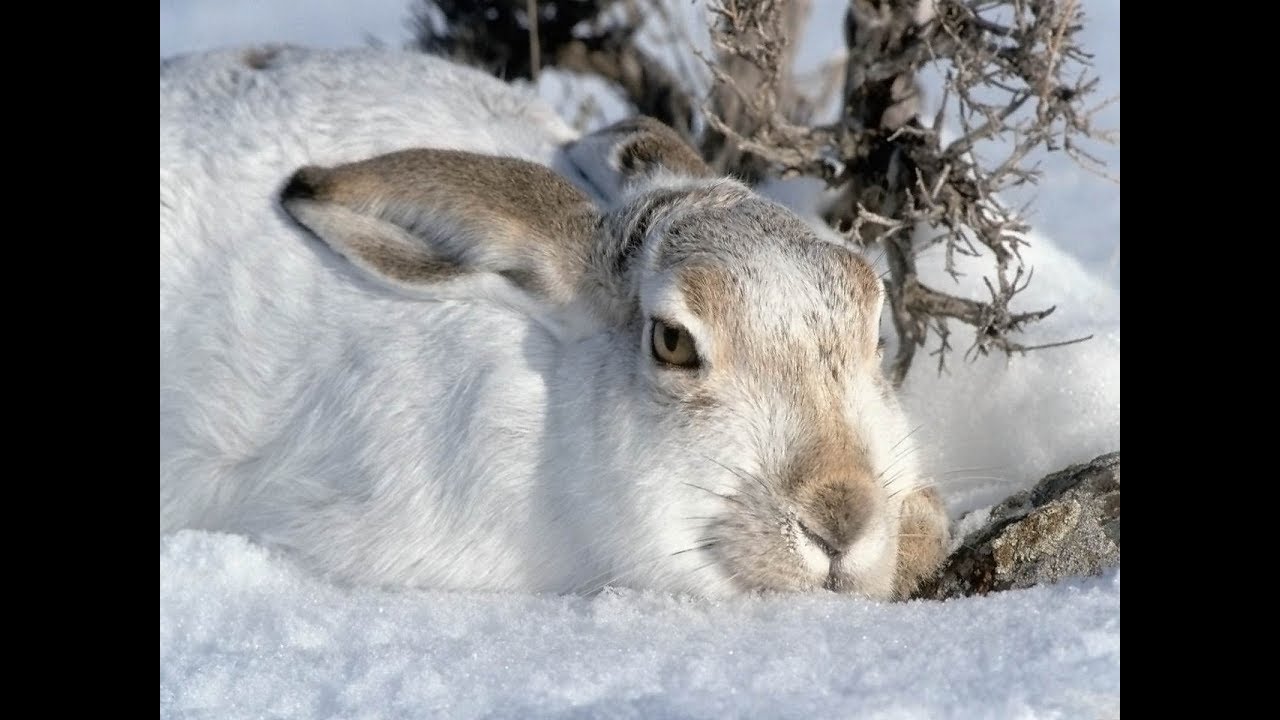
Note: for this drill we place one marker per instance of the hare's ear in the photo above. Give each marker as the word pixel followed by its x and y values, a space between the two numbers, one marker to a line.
pixel 630 151
pixel 418 217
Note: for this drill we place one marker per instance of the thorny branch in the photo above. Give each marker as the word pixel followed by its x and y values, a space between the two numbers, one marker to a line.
pixel 1017 83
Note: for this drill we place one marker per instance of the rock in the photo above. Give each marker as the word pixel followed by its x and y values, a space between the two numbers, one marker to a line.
pixel 1068 525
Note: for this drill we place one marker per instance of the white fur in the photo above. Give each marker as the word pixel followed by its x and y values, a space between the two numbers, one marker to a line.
pixel 449 441
pixel 275 362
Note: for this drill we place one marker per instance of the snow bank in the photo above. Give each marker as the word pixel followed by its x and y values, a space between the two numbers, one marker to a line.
pixel 245 634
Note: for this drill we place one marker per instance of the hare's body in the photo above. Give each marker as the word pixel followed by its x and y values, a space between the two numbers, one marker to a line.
pixel 276 362
pixel 470 413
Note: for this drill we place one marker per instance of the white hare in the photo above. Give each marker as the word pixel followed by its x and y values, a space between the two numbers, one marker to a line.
pixel 428 359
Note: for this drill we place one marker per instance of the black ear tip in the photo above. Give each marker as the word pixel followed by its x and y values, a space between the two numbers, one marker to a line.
pixel 304 185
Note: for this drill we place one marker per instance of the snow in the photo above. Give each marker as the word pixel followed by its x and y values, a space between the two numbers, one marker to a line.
pixel 244 633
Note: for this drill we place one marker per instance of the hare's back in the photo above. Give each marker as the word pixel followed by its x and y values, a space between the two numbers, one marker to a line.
pixel 234 124
pixel 256 316
pixel 336 106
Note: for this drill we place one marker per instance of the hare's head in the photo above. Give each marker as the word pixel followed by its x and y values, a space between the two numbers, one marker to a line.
pixel 728 427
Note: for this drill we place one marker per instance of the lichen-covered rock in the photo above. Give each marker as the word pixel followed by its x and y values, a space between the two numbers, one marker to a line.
pixel 1068 525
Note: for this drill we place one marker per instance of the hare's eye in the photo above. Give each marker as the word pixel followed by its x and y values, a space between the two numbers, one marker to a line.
pixel 673 346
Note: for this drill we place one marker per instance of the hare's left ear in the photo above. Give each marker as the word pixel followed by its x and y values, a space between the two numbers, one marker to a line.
pixel 415 218
pixel 615 157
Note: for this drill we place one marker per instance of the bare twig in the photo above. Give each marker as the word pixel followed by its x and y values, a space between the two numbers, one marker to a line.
pixel 534 51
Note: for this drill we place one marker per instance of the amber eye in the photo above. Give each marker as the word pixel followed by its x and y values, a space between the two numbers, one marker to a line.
pixel 672 345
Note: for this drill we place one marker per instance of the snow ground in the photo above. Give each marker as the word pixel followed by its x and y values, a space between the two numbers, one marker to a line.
pixel 245 634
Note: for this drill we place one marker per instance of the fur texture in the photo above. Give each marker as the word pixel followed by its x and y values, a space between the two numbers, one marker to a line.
pixel 434 368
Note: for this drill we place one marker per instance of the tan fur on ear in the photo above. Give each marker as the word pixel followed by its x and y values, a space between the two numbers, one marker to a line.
pixel 633 150
pixel 418 216
pixel 649 144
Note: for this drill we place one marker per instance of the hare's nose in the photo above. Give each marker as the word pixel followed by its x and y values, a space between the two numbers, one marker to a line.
pixel 835 513
pixel 831 550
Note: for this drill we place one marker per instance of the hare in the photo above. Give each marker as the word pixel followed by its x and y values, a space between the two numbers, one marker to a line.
pixel 468 349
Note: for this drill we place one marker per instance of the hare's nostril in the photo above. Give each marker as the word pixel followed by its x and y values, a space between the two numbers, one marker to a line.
pixel 832 582
pixel 818 540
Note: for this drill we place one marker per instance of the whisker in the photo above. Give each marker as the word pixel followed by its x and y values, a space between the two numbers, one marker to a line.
pixel 896 460
pixel 894 478
pixel 704 546
pixel 973 469
pixel 599 581
pixel 730 498
pixel 702 567
pixel 920 484
pixel 924 486
pixel 740 474
pixel 967 478
pixel 904 437
pixel 596 584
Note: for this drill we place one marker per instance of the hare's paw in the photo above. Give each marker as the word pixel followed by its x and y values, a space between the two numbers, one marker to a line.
pixel 922 541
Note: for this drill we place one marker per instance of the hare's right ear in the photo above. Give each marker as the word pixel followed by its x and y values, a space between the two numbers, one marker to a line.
pixel 419 217
pixel 631 151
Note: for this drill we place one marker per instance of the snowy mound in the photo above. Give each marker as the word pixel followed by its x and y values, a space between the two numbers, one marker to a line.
pixel 244 634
